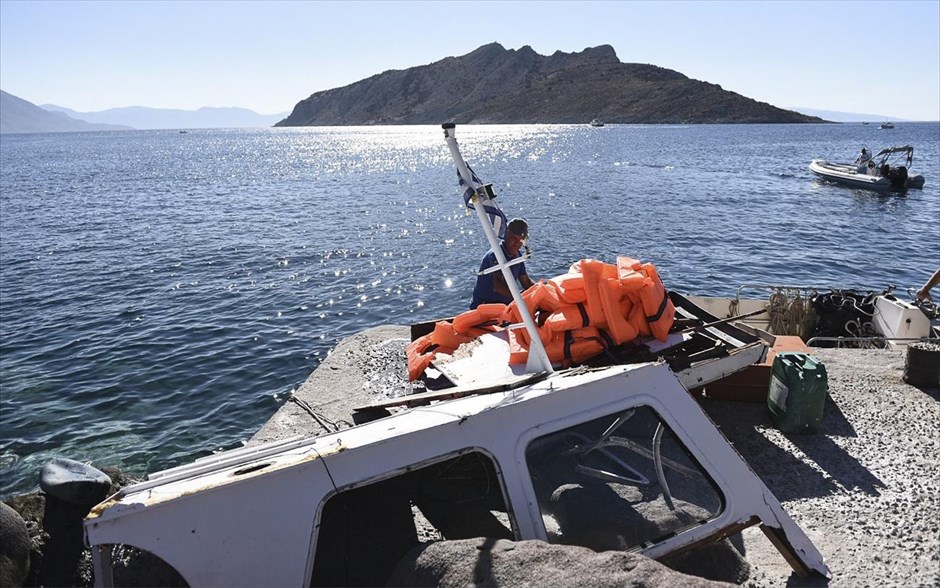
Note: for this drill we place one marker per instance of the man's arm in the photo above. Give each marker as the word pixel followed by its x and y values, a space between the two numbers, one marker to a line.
pixel 924 293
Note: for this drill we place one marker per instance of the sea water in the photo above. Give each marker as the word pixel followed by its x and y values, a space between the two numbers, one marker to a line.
pixel 162 293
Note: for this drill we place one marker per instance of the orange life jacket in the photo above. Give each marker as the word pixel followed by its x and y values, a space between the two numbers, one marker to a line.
pixel 518 351
pixel 629 272
pixel 616 310
pixel 595 272
pixel 570 287
pixel 443 339
pixel 576 346
pixel 485 316
pixel 445 336
pixel 542 296
pixel 567 318
pixel 659 309
pixel 638 320
pixel 420 352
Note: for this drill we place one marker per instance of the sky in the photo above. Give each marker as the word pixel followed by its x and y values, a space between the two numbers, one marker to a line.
pixel 859 57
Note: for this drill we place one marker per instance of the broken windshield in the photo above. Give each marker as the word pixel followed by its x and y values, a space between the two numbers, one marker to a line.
pixel 619 482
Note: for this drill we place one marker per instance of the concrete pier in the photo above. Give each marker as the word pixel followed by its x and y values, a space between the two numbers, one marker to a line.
pixel 365 367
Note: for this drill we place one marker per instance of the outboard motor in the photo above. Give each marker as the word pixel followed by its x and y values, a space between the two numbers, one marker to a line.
pixel 898 177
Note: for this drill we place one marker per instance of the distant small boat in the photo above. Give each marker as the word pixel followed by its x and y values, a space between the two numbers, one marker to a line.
pixel 886 125
pixel 596 123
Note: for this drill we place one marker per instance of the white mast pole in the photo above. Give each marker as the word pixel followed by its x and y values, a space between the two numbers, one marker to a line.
pixel 538 360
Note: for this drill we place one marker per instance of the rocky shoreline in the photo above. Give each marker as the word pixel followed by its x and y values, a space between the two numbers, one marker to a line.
pixel 865 488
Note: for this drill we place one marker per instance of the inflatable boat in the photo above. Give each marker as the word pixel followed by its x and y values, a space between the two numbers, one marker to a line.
pixel 889 170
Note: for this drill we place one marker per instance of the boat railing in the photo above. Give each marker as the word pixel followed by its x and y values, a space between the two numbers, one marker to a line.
pixel 866 342
pixel 771 287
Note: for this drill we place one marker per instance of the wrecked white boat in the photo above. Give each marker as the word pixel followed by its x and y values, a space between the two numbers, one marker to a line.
pixel 503 453
pixel 337 510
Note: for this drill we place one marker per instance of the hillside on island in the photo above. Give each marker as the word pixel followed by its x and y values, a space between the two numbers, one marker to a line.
pixel 493 85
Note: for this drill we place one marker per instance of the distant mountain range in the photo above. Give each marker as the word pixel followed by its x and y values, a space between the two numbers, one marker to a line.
pixel 494 85
pixel 20 116
pixel 836 116
pixel 142 117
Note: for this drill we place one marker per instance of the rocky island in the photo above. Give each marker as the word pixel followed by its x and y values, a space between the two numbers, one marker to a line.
pixel 494 85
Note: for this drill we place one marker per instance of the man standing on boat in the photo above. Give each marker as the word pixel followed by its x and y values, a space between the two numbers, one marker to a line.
pixel 491 286
pixel 862 161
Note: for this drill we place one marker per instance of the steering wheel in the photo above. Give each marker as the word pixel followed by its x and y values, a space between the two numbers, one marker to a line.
pixel 629 474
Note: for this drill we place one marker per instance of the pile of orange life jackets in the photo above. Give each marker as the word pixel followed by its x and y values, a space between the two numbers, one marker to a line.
pixel 592 307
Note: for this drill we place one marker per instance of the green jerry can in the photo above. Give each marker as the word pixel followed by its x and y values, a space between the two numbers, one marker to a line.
pixel 797 394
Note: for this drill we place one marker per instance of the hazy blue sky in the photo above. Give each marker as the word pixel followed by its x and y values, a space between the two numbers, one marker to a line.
pixel 863 57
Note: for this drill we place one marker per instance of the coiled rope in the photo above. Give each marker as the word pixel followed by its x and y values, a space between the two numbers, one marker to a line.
pixel 790 313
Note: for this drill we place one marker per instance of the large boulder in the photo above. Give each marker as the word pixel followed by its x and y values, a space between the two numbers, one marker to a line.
pixel 596 517
pixel 500 562
pixel 14 547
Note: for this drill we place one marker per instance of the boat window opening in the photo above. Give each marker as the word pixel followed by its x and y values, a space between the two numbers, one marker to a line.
pixel 128 564
pixel 364 531
pixel 620 482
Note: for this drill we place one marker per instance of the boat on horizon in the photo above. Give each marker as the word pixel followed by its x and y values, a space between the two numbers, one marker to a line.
pixel 596 123
pixel 886 125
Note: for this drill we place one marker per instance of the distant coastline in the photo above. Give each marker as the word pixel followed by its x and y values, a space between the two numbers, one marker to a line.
pixel 21 116
pixel 850 117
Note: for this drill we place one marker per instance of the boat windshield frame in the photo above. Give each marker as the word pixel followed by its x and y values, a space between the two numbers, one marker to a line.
pixel 885 154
